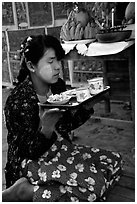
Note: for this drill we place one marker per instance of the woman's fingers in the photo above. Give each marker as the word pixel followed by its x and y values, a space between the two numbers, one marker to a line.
pixel 50 117
pixel 52 112
pixel 49 120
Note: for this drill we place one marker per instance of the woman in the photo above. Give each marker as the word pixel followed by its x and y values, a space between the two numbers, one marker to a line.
pixel 39 146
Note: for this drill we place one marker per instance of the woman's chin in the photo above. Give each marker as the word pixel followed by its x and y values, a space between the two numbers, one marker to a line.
pixel 54 81
pixel 51 81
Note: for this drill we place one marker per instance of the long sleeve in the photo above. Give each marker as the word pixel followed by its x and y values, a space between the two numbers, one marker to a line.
pixel 24 137
pixel 22 124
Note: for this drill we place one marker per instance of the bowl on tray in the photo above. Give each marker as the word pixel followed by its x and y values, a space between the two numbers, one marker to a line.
pixel 115 36
pixel 96 85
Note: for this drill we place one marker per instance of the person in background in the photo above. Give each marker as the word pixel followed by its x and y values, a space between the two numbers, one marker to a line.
pixel 43 164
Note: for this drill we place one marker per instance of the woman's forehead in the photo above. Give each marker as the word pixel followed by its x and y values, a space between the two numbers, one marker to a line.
pixel 49 53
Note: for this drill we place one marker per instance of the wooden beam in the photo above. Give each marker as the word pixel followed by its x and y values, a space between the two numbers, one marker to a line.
pixel 15 14
pixel 113 122
pixel 27 14
pixel 118 198
pixel 52 13
pixel 128 182
pixel 123 192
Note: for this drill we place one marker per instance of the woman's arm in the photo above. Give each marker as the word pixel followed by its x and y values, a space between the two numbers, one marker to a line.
pixel 22 120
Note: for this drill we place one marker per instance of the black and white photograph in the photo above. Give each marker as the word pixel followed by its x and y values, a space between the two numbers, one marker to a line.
pixel 68 101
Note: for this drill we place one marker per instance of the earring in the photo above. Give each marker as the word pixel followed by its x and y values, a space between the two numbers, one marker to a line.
pixel 33 70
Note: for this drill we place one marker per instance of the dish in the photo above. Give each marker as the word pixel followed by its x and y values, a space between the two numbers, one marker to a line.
pixel 80 41
pixel 115 36
pixel 58 99
pixel 59 102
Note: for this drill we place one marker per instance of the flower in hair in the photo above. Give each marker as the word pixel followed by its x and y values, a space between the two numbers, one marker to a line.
pixel 29 38
pixel 22 48
pixel 27 50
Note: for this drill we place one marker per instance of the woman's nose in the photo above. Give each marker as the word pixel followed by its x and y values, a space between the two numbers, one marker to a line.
pixel 58 65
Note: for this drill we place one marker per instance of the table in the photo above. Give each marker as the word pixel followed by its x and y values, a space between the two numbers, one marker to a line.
pixel 103 52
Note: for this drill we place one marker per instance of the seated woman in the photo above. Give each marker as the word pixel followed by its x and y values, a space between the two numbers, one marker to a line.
pixel 43 164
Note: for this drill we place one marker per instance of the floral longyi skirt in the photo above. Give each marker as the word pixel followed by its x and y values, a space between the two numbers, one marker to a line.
pixel 68 173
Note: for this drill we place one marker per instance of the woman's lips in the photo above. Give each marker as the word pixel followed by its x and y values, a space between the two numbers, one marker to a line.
pixel 56 75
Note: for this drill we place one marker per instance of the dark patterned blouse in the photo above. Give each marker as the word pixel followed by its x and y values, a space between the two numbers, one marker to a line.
pixel 22 120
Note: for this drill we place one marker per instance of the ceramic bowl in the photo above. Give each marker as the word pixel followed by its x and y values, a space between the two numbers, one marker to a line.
pixel 96 85
pixel 115 36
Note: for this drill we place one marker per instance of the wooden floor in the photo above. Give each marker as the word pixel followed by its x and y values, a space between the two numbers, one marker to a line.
pixel 124 191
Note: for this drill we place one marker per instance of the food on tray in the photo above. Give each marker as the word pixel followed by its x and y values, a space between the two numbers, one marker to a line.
pixel 58 98
pixel 78 26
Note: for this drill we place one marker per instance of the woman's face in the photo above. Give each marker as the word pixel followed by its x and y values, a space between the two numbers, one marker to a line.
pixel 48 67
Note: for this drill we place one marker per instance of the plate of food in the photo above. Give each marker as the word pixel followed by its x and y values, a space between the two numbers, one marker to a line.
pixel 58 99
pixel 85 41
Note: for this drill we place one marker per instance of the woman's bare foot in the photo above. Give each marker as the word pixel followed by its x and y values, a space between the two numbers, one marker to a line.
pixel 21 191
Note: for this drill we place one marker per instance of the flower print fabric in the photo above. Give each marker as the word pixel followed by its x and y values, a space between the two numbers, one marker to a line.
pixel 59 170
pixel 22 120
pixel 74 178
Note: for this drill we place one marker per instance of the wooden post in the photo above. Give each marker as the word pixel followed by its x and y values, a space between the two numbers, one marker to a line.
pixel 8 58
pixel 52 13
pixel 15 14
pixel 71 66
pixel 131 61
pixel 27 14
pixel 107 99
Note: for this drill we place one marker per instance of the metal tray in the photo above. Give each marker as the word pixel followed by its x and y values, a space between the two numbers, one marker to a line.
pixel 73 101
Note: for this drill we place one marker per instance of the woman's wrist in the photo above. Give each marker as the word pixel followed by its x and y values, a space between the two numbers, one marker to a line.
pixel 46 131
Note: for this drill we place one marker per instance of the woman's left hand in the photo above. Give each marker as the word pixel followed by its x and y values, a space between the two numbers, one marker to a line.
pixel 48 119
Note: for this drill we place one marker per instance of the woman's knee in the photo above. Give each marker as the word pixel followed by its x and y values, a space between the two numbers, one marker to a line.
pixel 25 191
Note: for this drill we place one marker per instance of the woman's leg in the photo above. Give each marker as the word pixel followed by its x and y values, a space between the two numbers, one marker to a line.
pixel 21 191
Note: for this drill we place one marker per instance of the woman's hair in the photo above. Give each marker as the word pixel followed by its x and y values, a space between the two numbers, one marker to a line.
pixel 33 49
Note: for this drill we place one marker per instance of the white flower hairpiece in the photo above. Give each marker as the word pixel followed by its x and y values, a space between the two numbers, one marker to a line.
pixel 29 38
pixel 26 50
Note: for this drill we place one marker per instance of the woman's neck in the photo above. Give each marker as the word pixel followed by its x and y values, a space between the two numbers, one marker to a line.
pixel 40 87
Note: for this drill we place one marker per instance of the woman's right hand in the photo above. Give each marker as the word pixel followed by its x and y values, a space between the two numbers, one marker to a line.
pixel 49 118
